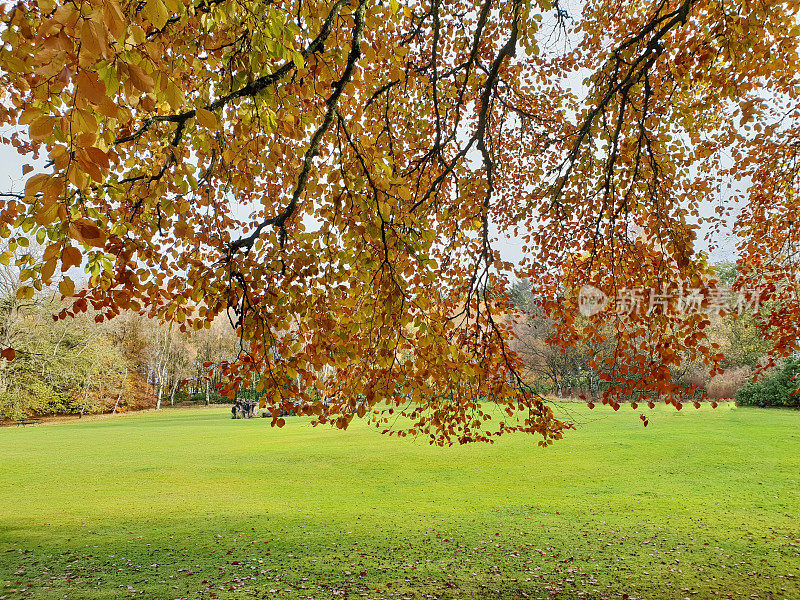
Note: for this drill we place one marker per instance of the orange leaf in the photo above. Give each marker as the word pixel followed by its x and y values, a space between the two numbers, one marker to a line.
pixel 87 232
pixel 48 269
pixel 70 257
pixel 92 40
pixel 90 87
pixel 51 251
pixel 98 156
pixel 47 213
pixel 180 229
pixel 114 19
pixel 35 183
pixel 141 80
pixel 9 354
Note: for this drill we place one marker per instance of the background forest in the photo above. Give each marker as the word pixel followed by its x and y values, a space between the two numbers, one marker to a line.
pixel 568 372
pixel 79 365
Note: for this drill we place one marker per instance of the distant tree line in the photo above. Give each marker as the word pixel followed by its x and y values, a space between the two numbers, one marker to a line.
pixel 572 370
pixel 79 366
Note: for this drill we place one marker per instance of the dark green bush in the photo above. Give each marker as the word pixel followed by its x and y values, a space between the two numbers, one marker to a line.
pixel 776 389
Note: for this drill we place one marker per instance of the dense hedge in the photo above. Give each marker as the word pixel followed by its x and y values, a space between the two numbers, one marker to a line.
pixel 776 389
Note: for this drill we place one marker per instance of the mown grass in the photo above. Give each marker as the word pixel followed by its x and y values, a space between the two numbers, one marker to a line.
pixel 191 504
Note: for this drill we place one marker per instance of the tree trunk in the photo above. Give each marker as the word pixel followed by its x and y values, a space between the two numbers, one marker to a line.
pixel 172 395
pixel 208 400
pixel 121 389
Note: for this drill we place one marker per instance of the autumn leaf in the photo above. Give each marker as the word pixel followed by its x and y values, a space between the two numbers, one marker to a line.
pixel 70 257
pixel 47 213
pixel 66 287
pixel 92 39
pixel 89 86
pixel 114 19
pixel 87 232
pixel 42 128
pixel 34 184
pixel 207 119
pixel 140 79
pixel 180 229
pixel 156 12
pixel 48 269
pixel 98 156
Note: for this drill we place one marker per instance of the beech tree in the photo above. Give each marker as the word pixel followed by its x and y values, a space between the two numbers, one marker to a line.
pixel 337 176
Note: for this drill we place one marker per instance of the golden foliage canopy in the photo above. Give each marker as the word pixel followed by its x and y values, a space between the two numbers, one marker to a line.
pixel 335 173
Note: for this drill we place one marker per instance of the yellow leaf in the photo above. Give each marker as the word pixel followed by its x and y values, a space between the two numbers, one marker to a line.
pixel 207 119
pixel 42 128
pixel 29 115
pixel 174 6
pixel 156 13
pixel 66 287
pixel 35 183
pixel 47 213
pixel 174 96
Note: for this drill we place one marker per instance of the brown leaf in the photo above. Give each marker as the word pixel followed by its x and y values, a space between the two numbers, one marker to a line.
pixel 90 87
pixel 70 257
pixel 114 19
pixel 87 232
pixel 141 80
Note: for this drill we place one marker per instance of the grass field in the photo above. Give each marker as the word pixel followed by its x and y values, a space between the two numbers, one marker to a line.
pixel 191 504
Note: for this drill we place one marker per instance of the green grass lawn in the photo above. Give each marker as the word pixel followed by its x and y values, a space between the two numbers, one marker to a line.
pixel 191 504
